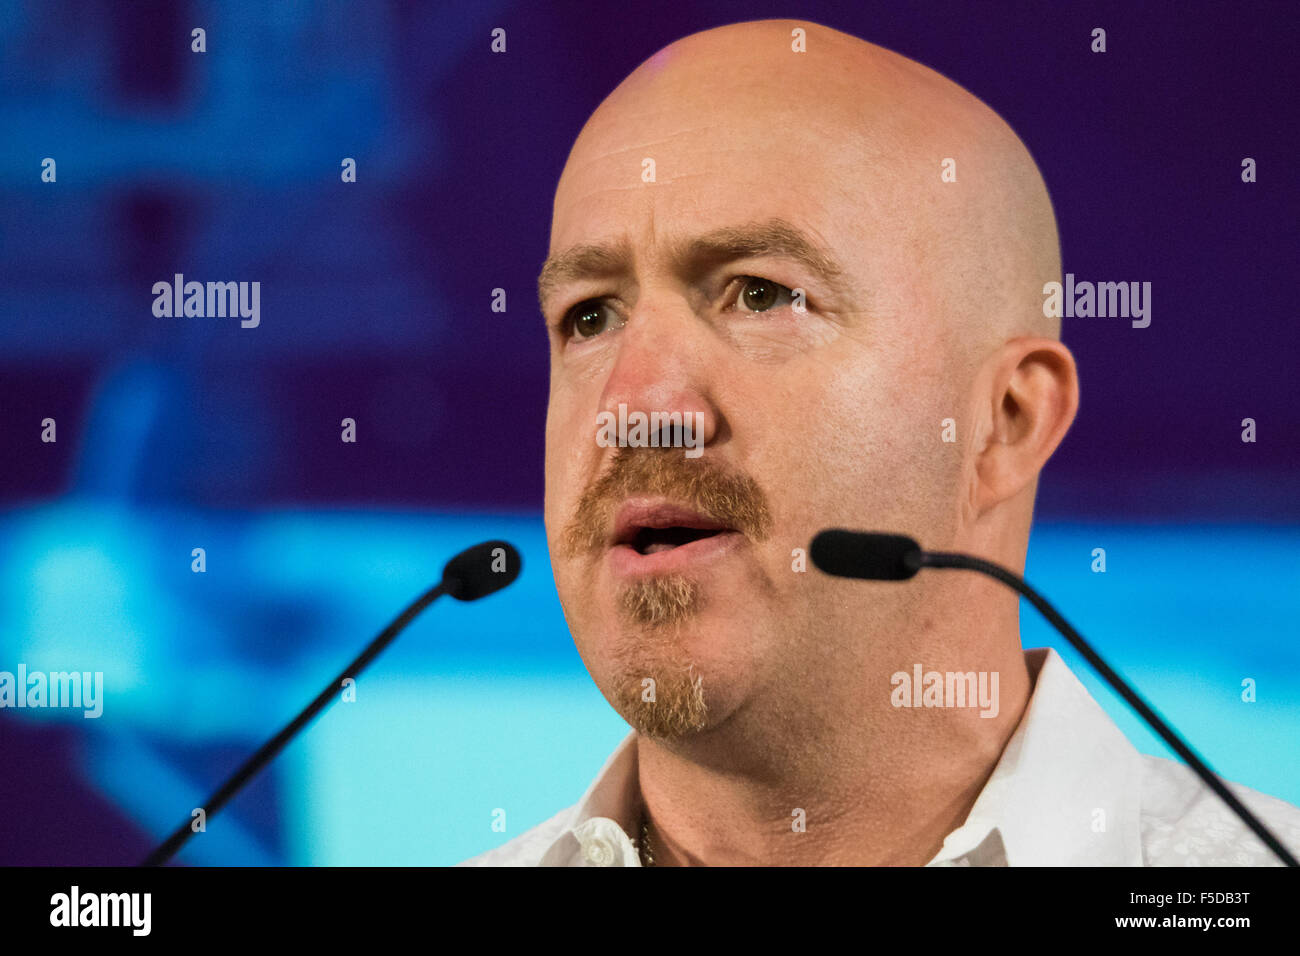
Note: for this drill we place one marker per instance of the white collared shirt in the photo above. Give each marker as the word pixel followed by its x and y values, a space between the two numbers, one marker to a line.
pixel 1069 790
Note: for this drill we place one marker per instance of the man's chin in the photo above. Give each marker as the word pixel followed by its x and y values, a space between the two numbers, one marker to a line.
pixel 670 706
pixel 654 682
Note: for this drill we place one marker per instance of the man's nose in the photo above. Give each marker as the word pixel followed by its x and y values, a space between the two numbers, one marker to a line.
pixel 663 366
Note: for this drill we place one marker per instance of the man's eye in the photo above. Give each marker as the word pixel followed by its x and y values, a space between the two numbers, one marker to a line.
pixel 759 295
pixel 590 318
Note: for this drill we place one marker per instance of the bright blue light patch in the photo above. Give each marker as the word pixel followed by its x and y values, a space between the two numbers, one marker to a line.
pixel 487 706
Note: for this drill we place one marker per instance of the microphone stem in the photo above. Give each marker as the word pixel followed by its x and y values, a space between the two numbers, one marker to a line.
pixel 268 750
pixel 943 559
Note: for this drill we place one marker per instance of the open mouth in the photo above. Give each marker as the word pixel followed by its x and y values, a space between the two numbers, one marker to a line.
pixel 656 536
pixel 655 540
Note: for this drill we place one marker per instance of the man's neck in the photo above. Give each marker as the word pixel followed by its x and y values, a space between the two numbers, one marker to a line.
pixel 884 787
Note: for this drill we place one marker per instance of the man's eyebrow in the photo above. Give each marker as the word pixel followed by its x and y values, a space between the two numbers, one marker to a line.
pixel 770 237
pixel 591 260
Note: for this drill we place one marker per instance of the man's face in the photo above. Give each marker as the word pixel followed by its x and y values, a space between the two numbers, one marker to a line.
pixel 687 571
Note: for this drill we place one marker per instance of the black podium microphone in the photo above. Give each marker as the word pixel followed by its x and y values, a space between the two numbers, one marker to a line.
pixel 873 556
pixel 474 573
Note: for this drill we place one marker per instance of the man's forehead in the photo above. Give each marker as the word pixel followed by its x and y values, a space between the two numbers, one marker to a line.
pixel 663 181
pixel 723 145
pixel 683 197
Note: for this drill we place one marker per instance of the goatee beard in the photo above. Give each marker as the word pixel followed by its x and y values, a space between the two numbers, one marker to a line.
pixel 666 705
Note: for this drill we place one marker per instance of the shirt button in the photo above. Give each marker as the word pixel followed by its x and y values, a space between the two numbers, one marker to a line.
pixel 598 851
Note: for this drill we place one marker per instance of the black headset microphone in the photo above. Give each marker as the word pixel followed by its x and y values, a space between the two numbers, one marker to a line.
pixel 874 556
pixel 474 573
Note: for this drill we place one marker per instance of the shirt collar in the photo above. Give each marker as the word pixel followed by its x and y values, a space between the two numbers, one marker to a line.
pixel 607 812
pixel 1064 792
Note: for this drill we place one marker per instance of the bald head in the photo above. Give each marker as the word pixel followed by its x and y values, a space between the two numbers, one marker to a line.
pixel 892 151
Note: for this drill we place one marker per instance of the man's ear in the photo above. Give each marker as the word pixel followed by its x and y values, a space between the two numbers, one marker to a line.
pixel 1033 394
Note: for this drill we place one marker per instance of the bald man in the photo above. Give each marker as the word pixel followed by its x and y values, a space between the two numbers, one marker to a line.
pixel 812 272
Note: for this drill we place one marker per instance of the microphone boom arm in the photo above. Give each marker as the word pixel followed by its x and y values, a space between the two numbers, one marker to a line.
pixel 473 574
pixel 268 751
